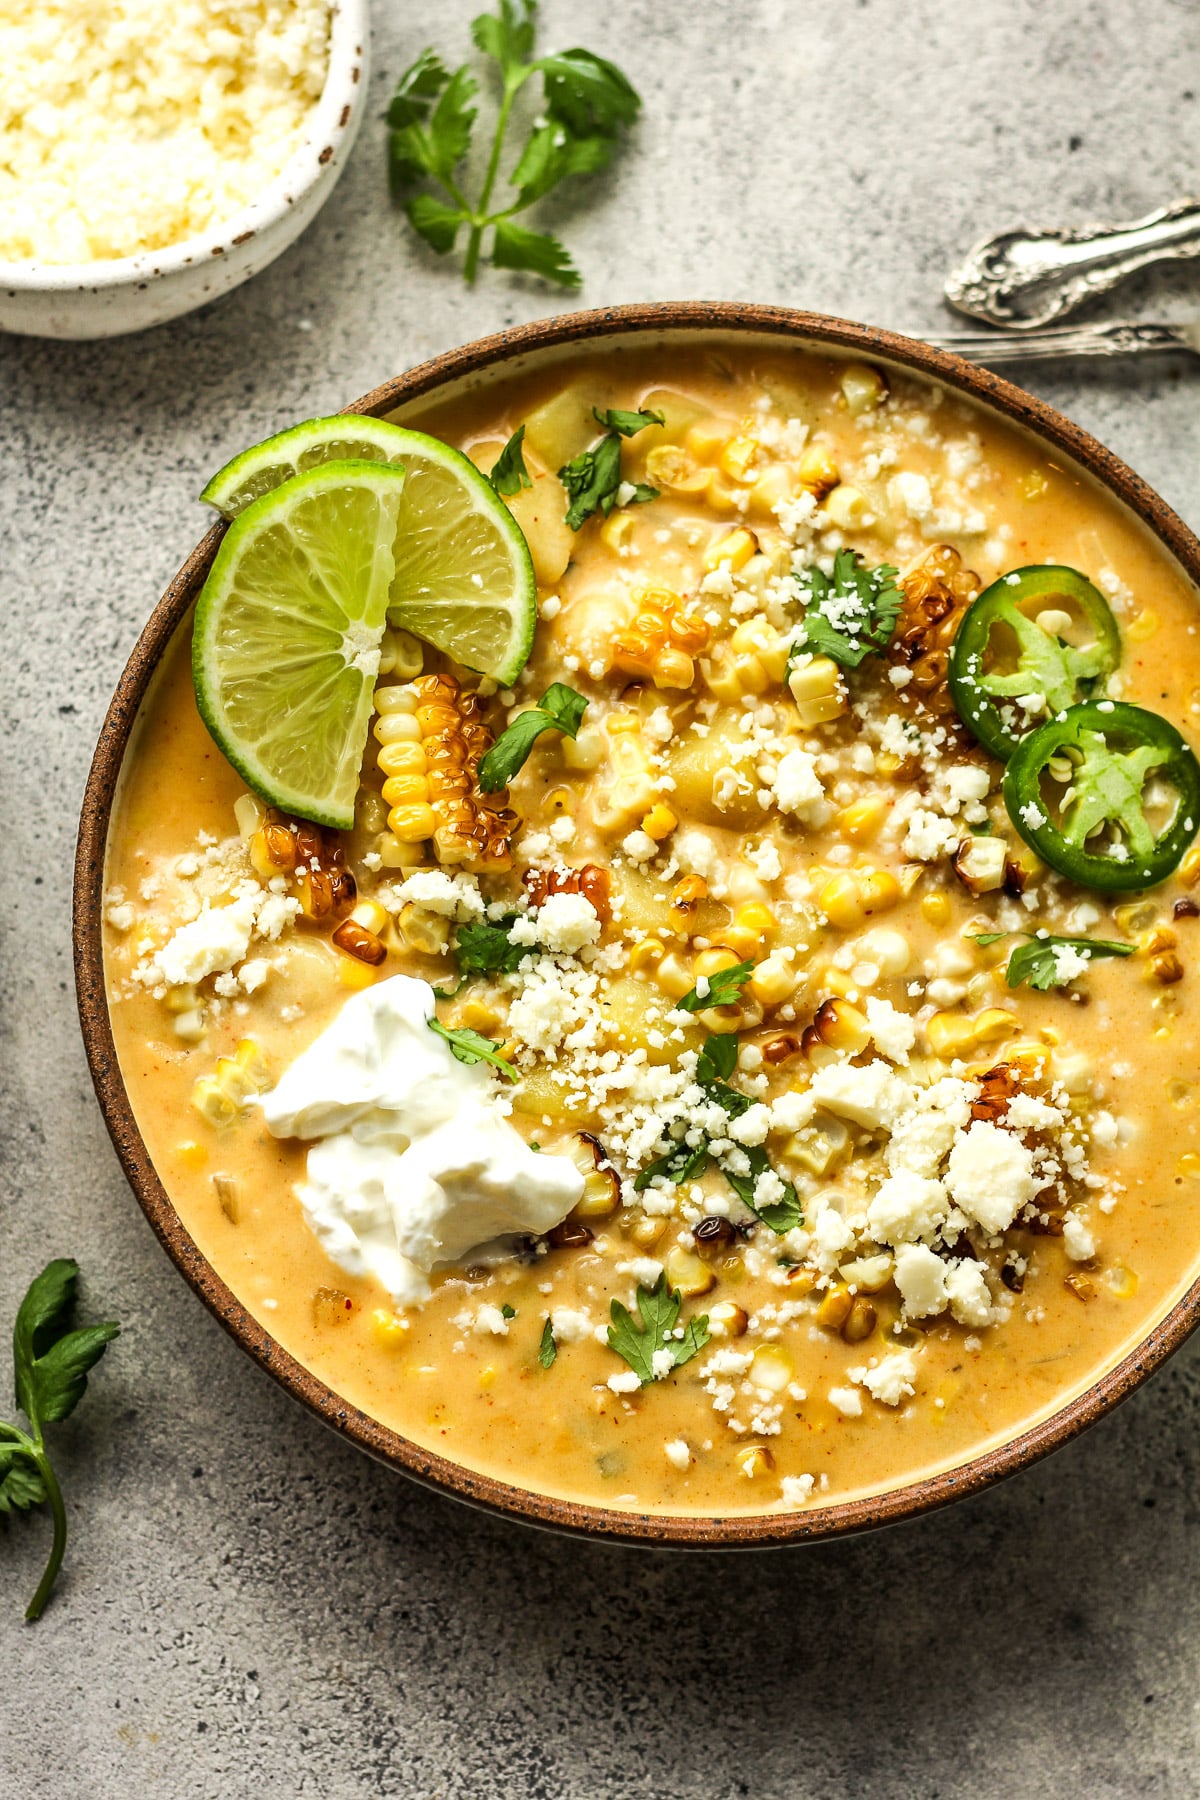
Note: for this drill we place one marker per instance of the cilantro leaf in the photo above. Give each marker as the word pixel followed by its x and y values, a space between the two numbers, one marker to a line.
pixel 718 1059
pixel 472 1047
pixel 51 1363
pixel 507 1311
pixel 626 424
pixel 552 155
pixel 483 948
pixel 586 93
pixel 1037 963
pixel 509 474
pixel 436 222
pixel 425 142
pixel 534 253
pixel 593 478
pixel 852 613
pixel 420 83
pixel 559 709
pixel 547 1349
pixel 781 1215
pixel 722 989
pixel 507 34
pixel 451 123
pixel 679 1164
pixel 658 1309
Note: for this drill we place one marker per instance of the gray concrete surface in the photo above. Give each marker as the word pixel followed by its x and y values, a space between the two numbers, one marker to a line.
pixel 250 1608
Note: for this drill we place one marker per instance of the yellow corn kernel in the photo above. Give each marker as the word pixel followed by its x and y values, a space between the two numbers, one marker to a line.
pixel 739 456
pixel 734 548
pixel 645 956
pixel 389 1331
pixel 389 699
pixel 1143 627
pixel 707 963
pixel 647 1230
pixel 727 1320
pixel 834 1309
pixel 476 1015
pixel 1189 868
pixel 371 916
pixel 950 1035
pixel 743 1015
pixel 863 820
pixel 935 909
pixel 838 1025
pixel 617 529
pixel 754 1460
pixel 758 638
pixel 688 1273
pixel 401 758
pixel 774 981
pixel 749 929
pixel 773 488
pixel 771 1368
pixel 407 789
pixel 816 686
pixel 671 467
pixel 355 975
pixel 673 976
pixel 818 471
pixel 181 999
pixel 191 1154
pixel 412 823
pixel 846 506
pixel 633 790
pixel 428 933
pixel 213 1103
pixel 705 440
pixel 849 898
pixel 396 853
pixel 863 387
pixel 253 1065
pixel 586 751
pixel 249 813
pixel 659 823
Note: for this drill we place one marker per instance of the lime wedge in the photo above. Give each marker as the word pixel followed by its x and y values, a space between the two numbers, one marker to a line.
pixel 464 581
pixel 285 646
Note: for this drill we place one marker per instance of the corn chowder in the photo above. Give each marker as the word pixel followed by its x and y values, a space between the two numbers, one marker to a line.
pixel 716 1103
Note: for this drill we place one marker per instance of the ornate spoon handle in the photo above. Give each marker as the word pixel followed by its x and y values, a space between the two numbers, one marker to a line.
pixel 1122 337
pixel 1026 279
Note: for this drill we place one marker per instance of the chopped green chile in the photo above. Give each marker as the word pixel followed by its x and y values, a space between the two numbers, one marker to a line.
pixel 1061 673
pixel 1115 749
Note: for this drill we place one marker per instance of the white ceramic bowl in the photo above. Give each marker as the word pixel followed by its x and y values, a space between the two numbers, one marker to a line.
pixel 128 293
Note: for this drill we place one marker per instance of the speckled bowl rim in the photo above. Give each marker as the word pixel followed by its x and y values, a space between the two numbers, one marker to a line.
pixel 333 114
pixel 741 1531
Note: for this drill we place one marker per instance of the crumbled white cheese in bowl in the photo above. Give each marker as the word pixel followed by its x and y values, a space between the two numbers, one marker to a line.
pixel 152 158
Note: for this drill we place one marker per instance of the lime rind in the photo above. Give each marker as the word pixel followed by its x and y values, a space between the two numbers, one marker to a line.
pixel 285 646
pixel 344 437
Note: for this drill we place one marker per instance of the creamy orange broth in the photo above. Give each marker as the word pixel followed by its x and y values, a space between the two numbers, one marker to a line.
pixel 483 1399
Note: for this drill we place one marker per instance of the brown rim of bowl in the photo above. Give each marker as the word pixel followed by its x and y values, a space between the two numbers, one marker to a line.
pixel 740 1531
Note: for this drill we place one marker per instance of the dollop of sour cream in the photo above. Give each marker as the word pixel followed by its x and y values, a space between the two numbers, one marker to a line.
pixel 415 1163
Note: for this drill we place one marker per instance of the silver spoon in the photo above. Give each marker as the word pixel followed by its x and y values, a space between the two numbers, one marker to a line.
pixel 1026 279
pixel 1119 337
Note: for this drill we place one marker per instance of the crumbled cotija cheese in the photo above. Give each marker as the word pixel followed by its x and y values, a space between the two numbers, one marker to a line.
pixel 127 126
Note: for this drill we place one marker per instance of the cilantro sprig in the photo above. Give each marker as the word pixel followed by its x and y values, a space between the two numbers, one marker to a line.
pixel 714 1065
pixel 593 478
pixel 509 474
pixel 1037 963
pixel 852 613
pixel 586 103
pixel 482 947
pixel 472 1047
pixel 655 1333
pixel 720 989
pixel 559 709
pixel 548 1348
pixel 51 1364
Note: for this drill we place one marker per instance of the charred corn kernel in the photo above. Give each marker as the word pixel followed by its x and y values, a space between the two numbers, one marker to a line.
pixel 863 820
pixel 361 943
pixel 586 751
pixel 428 933
pixel 1165 968
pixel 430 777
pixel 850 898
pixel 816 686
pixel 213 1103
pixel 734 548
pixel 860 1322
pixel 935 909
pixel 617 529
pixel 688 1273
pixel 632 791
pixel 754 1460
pixel 647 1230
pixel 228 1197
pixel 688 891
pixel 739 456
pixel 674 977
pixel 818 471
pixel 952 1035
pixel 771 1368
pixel 661 641
pixel 707 963
pixel 249 814
pixel 1143 627
pixel 846 506
pixel 645 957
pixel 744 1015
pixel 838 1025
pixel 355 975
pixel 388 1329
pixel 834 1309
pixel 191 1154
pixel 671 467
pixel 1189 868
pixel 727 1320
pixel 659 823
pixel 773 981
pixel 272 850
pixel 863 387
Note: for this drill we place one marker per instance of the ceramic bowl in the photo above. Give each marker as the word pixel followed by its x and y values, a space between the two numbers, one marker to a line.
pixel 707 326
pixel 129 293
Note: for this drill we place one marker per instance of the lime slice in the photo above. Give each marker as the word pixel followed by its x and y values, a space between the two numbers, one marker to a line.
pixel 464 581
pixel 285 647
pixel 343 438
